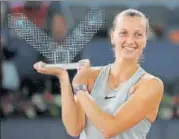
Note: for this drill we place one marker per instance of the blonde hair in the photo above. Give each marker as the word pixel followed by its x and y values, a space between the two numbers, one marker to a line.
pixel 131 13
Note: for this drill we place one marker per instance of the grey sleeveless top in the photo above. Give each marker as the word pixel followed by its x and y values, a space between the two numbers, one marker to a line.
pixel 116 97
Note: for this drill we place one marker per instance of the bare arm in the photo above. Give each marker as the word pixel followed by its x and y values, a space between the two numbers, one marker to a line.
pixel 145 98
pixel 72 113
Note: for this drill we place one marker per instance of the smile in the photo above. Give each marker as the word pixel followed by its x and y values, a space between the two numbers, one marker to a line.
pixel 130 48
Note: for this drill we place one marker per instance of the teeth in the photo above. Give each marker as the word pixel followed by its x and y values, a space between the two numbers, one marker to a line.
pixel 130 48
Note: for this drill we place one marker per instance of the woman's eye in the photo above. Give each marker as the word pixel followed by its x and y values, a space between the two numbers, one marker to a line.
pixel 122 33
pixel 139 34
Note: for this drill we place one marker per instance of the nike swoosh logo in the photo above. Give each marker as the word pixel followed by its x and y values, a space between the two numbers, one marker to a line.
pixel 106 97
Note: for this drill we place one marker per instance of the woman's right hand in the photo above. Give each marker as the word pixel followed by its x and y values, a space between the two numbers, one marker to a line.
pixel 59 72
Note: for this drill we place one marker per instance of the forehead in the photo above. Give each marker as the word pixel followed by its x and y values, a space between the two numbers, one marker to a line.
pixel 131 23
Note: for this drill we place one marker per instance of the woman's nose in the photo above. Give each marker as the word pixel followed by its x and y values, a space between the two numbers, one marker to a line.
pixel 130 39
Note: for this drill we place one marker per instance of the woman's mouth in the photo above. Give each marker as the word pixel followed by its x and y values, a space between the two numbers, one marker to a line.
pixel 130 48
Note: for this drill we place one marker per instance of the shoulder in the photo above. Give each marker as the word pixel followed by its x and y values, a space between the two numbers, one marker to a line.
pixel 149 79
pixel 94 72
pixel 152 84
pixel 96 69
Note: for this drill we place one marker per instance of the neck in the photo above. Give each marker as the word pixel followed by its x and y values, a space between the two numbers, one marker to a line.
pixel 123 69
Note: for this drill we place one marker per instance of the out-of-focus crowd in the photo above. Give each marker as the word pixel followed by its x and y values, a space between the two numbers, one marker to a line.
pixel 24 92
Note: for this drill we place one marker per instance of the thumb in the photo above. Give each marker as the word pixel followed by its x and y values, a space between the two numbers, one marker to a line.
pixel 83 64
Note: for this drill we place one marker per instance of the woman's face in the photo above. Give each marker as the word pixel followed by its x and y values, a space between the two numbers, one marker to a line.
pixel 129 37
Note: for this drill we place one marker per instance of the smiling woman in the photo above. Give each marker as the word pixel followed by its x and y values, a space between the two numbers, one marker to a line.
pixel 130 30
pixel 119 100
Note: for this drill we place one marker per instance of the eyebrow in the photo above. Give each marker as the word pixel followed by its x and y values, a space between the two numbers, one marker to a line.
pixel 138 30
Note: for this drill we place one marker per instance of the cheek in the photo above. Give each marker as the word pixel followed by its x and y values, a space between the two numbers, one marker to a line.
pixel 141 43
pixel 118 41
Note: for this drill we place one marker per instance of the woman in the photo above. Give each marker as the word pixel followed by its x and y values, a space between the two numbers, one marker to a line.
pixel 120 100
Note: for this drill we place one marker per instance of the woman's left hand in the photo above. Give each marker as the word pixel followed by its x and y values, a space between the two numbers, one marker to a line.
pixel 82 73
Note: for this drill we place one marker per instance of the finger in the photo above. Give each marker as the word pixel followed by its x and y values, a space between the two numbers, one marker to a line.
pixel 48 71
pixel 39 65
pixel 83 64
pixel 42 71
pixel 36 65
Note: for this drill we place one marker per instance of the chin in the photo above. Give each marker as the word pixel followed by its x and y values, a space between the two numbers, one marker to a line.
pixel 130 58
pixel 130 55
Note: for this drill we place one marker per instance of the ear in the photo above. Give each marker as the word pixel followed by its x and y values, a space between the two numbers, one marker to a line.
pixel 112 37
pixel 145 45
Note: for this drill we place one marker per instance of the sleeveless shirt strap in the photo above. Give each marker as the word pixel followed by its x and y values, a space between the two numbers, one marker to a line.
pixel 135 79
